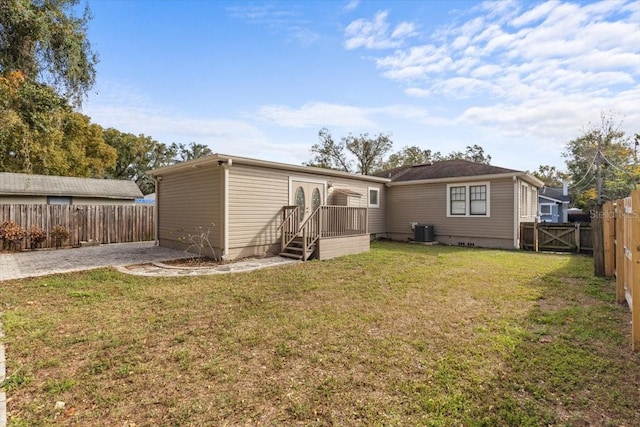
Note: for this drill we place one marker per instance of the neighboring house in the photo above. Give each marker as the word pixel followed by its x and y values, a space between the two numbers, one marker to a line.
pixel 248 207
pixel 20 188
pixel 554 204
pixel 466 203
pixel 147 199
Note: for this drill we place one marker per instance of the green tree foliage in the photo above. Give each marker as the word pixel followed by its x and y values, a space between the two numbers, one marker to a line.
pixel 619 167
pixel 47 43
pixel 368 152
pixel 192 151
pixel 139 154
pixel 40 133
pixel 329 154
pixel 473 153
pixel 550 175
pixel 412 155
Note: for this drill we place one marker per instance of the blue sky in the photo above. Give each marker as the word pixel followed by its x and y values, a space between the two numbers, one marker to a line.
pixel 260 79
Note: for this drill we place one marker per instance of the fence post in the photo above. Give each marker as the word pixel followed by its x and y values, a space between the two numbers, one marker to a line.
pixel 634 282
pixel 608 236
pixel 536 238
pixel 620 264
pixel 577 234
pixel 598 250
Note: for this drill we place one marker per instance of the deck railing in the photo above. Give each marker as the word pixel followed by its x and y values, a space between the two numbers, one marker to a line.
pixel 290 225
pixel 325 221
pixel 343 221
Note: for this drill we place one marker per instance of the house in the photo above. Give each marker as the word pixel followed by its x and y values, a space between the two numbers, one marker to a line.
pixel 147 199
pixel 554 204
pixel 466 203
pixel 20 188
pixel 240 207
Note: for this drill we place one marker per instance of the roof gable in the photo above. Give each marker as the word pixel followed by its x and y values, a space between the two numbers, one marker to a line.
pixel 46 185
pixel 554 193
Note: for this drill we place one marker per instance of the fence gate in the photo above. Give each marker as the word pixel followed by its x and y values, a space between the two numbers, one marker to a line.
pixel 573 237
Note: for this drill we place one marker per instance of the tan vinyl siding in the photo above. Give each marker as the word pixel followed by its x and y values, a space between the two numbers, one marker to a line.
pixel 23 200
pixel 256 198
pixel 100 201
pixel 427 204
pixel 340 246
pixel 376 215
pixel 190 202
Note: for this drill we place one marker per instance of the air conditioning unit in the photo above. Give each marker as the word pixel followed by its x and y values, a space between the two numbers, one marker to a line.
pixel 424 233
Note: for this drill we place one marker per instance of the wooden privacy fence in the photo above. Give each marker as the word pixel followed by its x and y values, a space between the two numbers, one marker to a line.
pixel 567 237
pixel 621 245
pixel 85 223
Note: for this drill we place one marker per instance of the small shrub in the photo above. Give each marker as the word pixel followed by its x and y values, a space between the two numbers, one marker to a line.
pixel 36 236
pixel 59 234
pixel 201 243
pixel 11 235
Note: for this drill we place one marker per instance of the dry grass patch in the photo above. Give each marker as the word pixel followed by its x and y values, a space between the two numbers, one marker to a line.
pixel 403 335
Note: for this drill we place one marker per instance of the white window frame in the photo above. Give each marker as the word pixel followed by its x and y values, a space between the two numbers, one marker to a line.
pixel 467 213
pixel 373 205
pixel 546 205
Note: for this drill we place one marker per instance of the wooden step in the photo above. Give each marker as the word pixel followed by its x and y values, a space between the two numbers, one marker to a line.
pixel 290 255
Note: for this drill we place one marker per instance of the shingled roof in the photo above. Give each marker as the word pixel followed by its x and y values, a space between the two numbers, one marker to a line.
pixel 442 169
pixel 554 193
pixel 45 185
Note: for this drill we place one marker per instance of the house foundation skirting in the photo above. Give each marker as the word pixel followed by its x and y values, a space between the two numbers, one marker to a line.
pixel 332 247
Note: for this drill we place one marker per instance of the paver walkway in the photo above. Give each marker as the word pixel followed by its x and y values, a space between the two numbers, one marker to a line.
pixel 39 263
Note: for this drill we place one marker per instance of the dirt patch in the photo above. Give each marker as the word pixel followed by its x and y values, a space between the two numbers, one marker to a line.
pixel 204 262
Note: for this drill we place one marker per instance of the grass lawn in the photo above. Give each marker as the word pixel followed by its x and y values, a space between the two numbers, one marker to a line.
pixel 403 335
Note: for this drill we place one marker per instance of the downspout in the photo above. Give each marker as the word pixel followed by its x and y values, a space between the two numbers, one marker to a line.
pixel 156 208
pixel 516 225
pixel 225 229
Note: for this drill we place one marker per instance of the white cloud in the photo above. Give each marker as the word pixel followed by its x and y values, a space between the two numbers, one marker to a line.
pixel 351 5
pixel 317 114
pixel 287 20
pixel 526 70
pixel 376 34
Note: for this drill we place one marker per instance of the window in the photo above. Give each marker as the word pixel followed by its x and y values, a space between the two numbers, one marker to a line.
pixel 374 197
pixel 58 200
pixel 458 200
pixel 545 209
pixel 478 197
pixel 534 202
pixel 524 200
pixel 468 199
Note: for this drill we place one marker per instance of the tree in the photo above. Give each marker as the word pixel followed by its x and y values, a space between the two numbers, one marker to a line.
pixel 412 155
pixel 473 153
pixel 368 152
pixel 550 175
pixel 47 43
pixel 40 133
pixel 137 155
pixel 605 145
pixel 329 154
pixel 189 152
